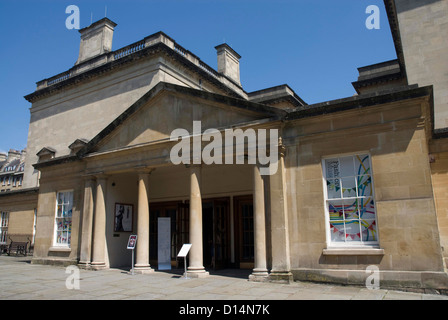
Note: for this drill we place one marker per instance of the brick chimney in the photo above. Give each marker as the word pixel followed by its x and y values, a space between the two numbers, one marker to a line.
pixel 229 62
pixel 96 39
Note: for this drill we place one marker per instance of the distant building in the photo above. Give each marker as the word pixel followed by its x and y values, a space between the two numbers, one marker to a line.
pixel 17 205
pixel 11 170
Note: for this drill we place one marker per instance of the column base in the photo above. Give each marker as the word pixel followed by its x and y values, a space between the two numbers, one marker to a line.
pixel 197 273
pixel 259 275
pixel 281 276
pixel 84 265
pixel 146 269
pixel 97 266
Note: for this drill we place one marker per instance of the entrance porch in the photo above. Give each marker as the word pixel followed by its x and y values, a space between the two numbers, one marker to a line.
pixel 212 207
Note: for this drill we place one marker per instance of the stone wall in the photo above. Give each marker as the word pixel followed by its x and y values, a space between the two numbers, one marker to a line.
pixel 423 28
pixel 439 170
pixel 394 135
pixel 20 206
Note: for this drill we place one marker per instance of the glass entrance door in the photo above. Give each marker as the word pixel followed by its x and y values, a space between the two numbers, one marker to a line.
pixel 244 231
pixel 178 212
pixel 216 233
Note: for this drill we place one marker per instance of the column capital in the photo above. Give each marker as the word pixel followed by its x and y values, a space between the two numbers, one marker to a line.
pixel 100 175
pixel 281 148
pixel 95 175
pixel 144 169
pixel 193 165
pixel 88 177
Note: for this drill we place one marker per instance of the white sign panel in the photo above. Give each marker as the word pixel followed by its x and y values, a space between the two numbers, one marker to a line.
pixel 164 243
pixel 184 250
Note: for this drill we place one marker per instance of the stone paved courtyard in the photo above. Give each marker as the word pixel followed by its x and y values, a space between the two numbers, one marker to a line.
pixel 21 280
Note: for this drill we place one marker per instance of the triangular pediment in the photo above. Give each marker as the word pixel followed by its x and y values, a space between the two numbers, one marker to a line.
pixel 167 107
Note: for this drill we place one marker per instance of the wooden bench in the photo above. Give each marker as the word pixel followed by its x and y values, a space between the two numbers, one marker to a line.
pixel 17 247
pixel 3 248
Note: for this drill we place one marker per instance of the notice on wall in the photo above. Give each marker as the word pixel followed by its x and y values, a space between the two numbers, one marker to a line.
pixel 164 243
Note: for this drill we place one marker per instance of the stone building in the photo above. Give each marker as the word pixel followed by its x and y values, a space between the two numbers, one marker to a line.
pixel 11 170
pixel 18 206
pixel 357 182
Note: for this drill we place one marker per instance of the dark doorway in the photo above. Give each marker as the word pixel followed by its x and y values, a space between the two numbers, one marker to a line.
pixel 216 233
pixel 179 214
pixel 244 231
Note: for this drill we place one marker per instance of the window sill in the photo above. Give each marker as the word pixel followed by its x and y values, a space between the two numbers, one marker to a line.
pixel 353 252
pixel 60 249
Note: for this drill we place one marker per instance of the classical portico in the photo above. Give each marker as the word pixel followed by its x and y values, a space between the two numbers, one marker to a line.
pixel 129 163
pixel 96 230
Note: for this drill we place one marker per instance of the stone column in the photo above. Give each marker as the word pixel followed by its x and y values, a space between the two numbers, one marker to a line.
pixel 99 232
pixel 87 223
pixel 196 268
pixel 260 271
pixel 281 264
pixel 142 251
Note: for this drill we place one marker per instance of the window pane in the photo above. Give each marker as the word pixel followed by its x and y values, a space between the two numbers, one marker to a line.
pixel 367 208
pixel 60 198
pixel 332 167
pixel 337 231
pixel 336 210
pixel 334 188
pixel 59 237
pixel 368 230
pixel 346 166
pixel 348 187
pixel 351 209
pixel 59 212
pixel 3 236
pixel 59 225
pixel 362 164
pixel 352 230
pixel 365 186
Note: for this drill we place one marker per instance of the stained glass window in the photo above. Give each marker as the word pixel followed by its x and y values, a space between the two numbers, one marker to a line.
pixel 64 207
pixel 349 200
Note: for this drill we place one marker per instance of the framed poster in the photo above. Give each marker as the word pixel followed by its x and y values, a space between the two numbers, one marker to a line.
pixel 123 217
pixel 132 242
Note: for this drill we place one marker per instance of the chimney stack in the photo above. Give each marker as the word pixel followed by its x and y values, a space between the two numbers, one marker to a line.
pixel 96 39
pixel 229 62
pixel 13 154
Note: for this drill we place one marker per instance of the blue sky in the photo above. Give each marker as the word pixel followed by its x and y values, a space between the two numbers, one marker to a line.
pixel 314 46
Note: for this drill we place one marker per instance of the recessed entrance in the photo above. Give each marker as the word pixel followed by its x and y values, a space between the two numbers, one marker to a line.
pixel 244 231
pixel 218 228
pixel 216 233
